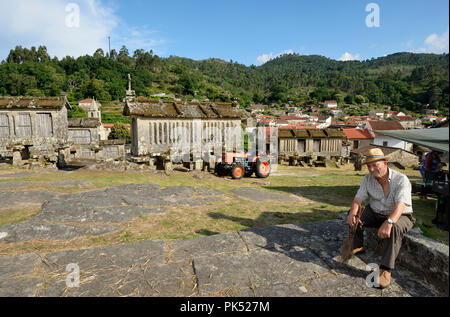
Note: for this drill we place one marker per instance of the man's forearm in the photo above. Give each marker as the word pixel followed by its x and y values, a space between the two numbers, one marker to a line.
pixel 355 205
pixel 397 212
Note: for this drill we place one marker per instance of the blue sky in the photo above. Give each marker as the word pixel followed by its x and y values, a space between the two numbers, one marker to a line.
pixel 246 31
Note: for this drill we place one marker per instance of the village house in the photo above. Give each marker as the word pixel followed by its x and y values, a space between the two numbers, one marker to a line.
pixel 34 129
pixel 376 114
pixel 257 108
pixel 432 111
pixel 330 104
pixel 157 127
pixel 408 122
pixel 431 118
pixel 357 137
pixel 383 140
pixel 390 114
pixel 336 112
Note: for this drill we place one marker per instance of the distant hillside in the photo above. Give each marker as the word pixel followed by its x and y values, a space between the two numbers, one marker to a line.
pixel 406 81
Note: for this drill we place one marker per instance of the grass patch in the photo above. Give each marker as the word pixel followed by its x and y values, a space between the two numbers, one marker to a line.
pixel 8 218
pixel 321 194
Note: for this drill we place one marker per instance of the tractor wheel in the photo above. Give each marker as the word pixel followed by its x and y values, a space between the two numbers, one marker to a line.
pixel 262 168
pixel 237 171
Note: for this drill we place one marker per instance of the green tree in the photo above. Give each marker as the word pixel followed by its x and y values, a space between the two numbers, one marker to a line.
pixel 120 131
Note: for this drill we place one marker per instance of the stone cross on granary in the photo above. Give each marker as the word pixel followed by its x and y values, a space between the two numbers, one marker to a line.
pixel 130 93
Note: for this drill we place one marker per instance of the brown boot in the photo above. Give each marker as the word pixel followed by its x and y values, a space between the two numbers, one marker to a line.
pixel 384 278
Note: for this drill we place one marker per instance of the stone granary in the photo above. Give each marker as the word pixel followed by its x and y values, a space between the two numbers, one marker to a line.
pixel 85 134
pixel 157 127
pixel 310 146
pixel 34 129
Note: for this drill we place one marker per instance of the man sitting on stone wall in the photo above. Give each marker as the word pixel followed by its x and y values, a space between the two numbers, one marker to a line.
pixel 389 210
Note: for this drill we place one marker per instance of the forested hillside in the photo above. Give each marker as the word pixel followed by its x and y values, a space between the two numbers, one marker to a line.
pixel 406 81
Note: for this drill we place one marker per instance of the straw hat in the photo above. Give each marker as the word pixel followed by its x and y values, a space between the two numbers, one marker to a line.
pixel 374 155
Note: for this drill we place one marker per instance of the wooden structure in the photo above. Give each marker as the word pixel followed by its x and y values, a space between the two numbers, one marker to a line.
pixel 310 146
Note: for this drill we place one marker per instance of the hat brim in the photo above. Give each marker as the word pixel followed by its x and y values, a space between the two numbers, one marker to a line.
pixel 384 158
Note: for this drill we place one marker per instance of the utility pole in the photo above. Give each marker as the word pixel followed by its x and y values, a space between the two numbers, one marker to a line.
pixel 109 46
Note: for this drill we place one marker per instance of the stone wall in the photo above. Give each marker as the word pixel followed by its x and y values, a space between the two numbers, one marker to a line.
pixel 426 257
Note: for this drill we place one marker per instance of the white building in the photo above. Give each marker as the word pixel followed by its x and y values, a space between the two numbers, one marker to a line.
pixel 383 140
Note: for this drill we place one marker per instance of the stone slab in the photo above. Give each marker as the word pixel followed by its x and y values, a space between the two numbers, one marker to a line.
pixel 25 287
pixel 11 198
pixel 163 280
pixel 256 268
pixel 256 194
pixel 206 246
pixel 110 257
pixel 287 236
pixel 15 175
pixel 283 290
pixel 30 230
pixel 85 214
pixel 69 182
pixel 341 286
pixel 18 265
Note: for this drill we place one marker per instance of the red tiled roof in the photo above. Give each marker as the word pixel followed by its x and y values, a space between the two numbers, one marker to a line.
pixel 110 125
pixel 405 118
pixel 386 125
pixel 89 100
pixel 353 133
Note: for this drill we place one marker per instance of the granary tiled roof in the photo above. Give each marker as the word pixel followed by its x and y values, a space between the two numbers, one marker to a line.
pixel 335 133
pixel 175 109
pixel 285 133
pixel 310 133
pixel 301 133
pixel 83 123
pixel 31 103
pixel 317 133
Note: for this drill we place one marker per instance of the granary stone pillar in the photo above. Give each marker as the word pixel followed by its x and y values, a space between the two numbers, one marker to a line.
pixel 198 165
pixel 17 156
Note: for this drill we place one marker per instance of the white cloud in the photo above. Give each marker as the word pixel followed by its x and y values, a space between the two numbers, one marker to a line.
pixel 435 43
pixel 349 57
pixel 264 58
pixel 34 23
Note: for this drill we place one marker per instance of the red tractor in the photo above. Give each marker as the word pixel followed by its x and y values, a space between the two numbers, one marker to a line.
pixel 242 164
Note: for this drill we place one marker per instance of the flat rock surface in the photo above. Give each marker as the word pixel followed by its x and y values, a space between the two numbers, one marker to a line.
pixel 88 212
pixel 63 183
pixel 256 194
pixel 270 261
pixel 30 230
pixel 11 198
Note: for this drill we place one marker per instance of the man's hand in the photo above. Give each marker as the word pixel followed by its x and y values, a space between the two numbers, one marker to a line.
pixel 352 220
pixel 385 230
